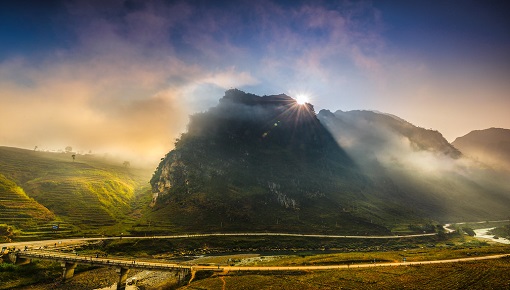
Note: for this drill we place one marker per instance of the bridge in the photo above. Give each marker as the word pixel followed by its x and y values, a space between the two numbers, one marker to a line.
pixel 70 261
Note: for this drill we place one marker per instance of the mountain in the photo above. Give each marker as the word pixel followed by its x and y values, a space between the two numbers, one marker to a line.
pixel 41 189
pixel 418 168
pixel 260 163
pixel 489 146
pixel 267 163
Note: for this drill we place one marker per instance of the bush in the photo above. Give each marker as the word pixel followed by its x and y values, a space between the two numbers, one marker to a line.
pixel 469 231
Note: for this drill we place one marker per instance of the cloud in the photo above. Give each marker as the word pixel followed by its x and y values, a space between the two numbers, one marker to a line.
pixel 128 73
pixel 230 78
pixel 65 104
pixel 121 88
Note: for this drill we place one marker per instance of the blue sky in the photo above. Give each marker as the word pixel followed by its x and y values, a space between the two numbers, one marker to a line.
pixel 123 76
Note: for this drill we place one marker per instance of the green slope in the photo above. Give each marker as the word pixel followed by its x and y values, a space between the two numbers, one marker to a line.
pixel 91 193
pixel 16 208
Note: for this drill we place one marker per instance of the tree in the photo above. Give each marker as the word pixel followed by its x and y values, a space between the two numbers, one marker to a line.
pixel 69 149
pixel 35 148
pixel 6 233
pixel 469 231
pixel 126 164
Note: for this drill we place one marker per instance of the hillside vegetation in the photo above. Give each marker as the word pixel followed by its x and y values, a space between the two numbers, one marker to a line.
pixel 17 208
pixel 91 192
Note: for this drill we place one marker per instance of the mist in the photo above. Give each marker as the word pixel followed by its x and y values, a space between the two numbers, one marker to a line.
pixel 419 163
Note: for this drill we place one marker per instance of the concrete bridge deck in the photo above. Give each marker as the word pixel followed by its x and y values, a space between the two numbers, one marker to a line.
pixel 70 261
pixel 100 261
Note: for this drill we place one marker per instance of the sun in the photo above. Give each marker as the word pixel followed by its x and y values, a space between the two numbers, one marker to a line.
pixel 302 99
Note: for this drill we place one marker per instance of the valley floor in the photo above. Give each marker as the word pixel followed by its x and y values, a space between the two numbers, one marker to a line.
pixel 412 273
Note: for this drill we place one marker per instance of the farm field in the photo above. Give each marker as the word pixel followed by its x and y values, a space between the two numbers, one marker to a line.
pixel 493 274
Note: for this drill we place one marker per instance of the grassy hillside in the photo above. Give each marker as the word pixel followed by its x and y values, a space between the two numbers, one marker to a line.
pixel 17 208
pixel 91 192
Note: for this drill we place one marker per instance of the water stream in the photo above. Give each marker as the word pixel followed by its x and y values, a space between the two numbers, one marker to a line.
pixel 483 233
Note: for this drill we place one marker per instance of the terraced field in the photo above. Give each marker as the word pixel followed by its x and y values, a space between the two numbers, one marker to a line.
pixel 41 189
pixel 17 208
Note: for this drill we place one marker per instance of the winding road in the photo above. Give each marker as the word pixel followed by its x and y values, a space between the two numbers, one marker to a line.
pixel 75 241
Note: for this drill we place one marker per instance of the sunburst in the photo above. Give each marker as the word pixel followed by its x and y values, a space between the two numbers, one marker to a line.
pixel 302 99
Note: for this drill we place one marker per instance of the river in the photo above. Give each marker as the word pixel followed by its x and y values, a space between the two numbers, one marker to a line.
pixel 483 233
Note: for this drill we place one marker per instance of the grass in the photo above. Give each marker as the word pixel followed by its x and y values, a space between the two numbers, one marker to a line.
pixel 38 271
pixel 91 195
pixel 490 274
pixel 274 244
pixel 16 207
pixel 301 250
pixel 423 252
pixel 482 225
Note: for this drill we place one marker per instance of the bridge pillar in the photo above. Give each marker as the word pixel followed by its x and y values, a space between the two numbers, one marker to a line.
pixel 123 273
pixel 68 270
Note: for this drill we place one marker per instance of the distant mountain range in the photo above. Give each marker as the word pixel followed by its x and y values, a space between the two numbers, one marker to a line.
pixel 267 163
pixel 490 146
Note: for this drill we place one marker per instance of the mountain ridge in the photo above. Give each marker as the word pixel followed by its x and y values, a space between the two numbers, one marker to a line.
pixel 490 146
